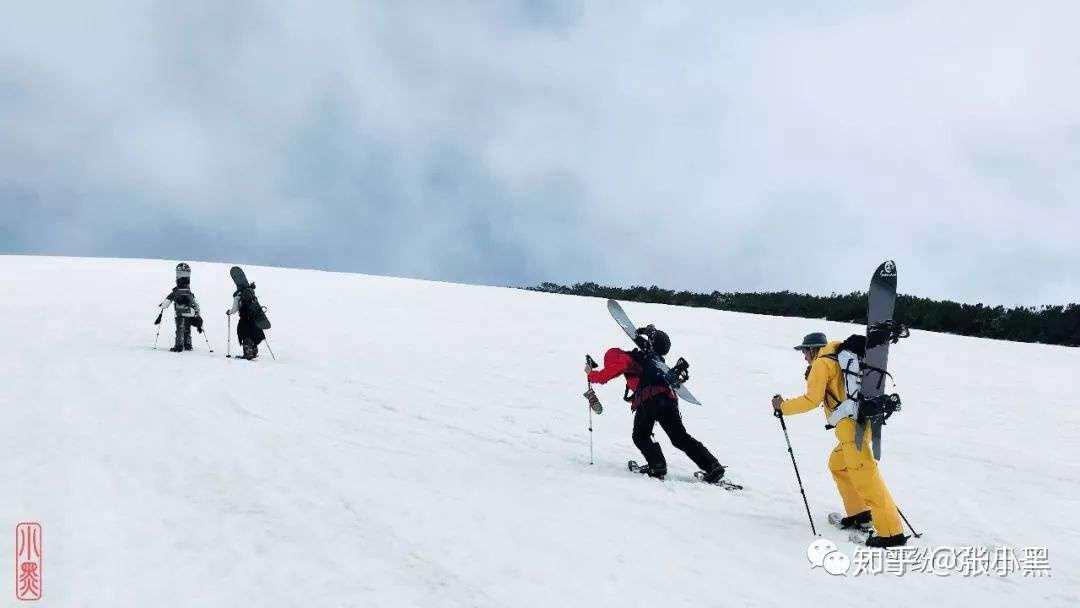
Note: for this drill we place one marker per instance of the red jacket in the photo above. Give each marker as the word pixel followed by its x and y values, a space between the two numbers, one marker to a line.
pixel 618 362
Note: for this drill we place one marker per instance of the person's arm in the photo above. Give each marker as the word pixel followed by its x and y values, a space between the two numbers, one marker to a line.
pixel 616 362
pixel 815 391
pixel 235 305
pixel 167 301
pixel 195 305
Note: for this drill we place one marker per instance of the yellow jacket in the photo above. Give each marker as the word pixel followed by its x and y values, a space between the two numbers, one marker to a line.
pixel 824 384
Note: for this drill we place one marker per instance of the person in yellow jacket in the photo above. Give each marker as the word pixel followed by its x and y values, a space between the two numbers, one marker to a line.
pixel 855 471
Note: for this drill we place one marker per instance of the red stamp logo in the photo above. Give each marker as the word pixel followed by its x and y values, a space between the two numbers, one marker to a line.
pixel 28 561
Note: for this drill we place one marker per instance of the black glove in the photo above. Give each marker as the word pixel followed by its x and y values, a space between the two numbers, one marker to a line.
pixel 157 321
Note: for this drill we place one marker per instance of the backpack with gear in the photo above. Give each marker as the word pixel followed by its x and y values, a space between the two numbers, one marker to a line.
pixel 184 301
pixel 853 368
pixel 249 303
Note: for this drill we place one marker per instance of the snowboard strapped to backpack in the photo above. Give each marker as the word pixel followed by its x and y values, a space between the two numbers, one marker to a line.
pixel 249 303
pixel 850 357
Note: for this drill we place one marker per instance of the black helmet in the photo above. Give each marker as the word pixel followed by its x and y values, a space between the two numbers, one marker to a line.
pixel 661 343
pixel 814 340
pixel 650 338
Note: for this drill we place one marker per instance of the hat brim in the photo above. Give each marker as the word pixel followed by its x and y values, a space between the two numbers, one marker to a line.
pixel 809 346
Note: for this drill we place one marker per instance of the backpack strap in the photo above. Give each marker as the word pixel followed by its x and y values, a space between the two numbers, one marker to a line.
pixel 882 374
pixel 829 393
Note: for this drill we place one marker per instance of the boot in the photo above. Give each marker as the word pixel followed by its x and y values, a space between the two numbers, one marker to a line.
pixel 859 520
pixel 176 349
pixel 897 540
pixel 654 470
pixel 714 474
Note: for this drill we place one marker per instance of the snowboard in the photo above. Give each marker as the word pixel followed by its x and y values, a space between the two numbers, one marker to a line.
pixel 881 303
pixel 630 329
pixel 248 299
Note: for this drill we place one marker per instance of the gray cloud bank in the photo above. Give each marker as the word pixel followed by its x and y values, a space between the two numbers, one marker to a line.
pixel 699 145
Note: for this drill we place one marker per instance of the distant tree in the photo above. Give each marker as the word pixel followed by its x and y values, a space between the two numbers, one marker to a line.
pixel 1052 324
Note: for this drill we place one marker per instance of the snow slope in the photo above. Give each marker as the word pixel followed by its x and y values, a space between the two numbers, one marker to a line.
pixel 425 444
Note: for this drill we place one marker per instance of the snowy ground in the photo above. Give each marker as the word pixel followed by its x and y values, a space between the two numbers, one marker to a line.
pixel 425 444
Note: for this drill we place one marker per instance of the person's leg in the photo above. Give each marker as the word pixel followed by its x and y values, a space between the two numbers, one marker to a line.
pixel 178 344
pixel 864 473
pixel 187 333
pixel 244 333
pixel 644 419
pixel 671 421
pixel 853 501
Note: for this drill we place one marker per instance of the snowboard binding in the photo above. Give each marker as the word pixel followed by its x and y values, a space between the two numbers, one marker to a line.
pixel 679 374
pixel 886 331
pixel 878 409
pixel 643 337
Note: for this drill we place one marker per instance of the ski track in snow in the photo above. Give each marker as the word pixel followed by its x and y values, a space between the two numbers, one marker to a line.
pixel 425 444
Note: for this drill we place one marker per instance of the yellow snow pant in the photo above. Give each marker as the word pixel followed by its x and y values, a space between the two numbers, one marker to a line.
pixel 859 481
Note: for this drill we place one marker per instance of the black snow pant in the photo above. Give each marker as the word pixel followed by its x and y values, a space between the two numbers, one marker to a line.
pixel 250 336
pixel 665 410
pixel 183 333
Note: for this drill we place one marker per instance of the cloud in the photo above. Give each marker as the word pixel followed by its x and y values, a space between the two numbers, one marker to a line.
pixel 692 145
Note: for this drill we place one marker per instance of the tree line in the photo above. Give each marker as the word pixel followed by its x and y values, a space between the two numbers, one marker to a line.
pixel 1052 324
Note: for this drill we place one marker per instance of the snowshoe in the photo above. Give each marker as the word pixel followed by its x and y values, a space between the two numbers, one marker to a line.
pixel 176 349
pixel 714 474
pixel 851 522
pixel 657 471
pixel 884 542
pixel 716 478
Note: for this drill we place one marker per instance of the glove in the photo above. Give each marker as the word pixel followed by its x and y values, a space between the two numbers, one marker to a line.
pixel 777 401
pixel 228 312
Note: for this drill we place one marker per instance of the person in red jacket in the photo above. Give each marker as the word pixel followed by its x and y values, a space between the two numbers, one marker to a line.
pixel 652 400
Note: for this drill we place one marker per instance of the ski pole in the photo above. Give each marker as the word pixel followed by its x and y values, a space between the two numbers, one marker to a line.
pixel 207 341
pixel 589 388
pixel 594 405
pixel 917 534
pixel 590 437
pixel 158 323
pixel 268 347
pixel 228 336
pixel 783 426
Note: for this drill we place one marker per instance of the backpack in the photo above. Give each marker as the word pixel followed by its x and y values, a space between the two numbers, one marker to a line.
pixel 850 357
pixel 249 304
pixel 184 301
pixel 654 381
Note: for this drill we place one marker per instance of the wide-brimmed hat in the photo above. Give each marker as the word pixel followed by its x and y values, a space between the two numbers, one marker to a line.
pixel 814 340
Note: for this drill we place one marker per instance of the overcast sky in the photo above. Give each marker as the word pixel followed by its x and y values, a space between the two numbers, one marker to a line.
pixel 698 145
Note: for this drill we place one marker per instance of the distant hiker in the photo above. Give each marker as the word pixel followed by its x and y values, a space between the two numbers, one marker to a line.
pixel 866 498
pixel 652 400
pixel 187 309
pixel 249 329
